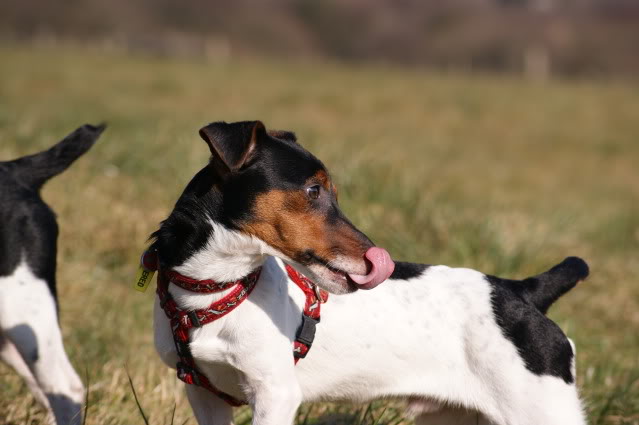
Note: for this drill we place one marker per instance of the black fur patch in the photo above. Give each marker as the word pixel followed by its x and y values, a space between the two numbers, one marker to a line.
pixel 28 230
pixel 407 271
pixel 187 229
pixel 28 227
pixel 540 342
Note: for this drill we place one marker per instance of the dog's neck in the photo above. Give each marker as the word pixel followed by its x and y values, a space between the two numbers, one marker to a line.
pixel 228 255
pixel 197 240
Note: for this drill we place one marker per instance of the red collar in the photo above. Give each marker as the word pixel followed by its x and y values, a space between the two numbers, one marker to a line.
pixel 182 321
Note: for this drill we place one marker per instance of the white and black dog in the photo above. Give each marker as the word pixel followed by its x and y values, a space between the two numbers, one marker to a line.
pixel 30 338
pixel 459 346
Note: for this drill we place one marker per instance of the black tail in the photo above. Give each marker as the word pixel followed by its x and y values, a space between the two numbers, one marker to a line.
pixel 35 170
pixel 546 288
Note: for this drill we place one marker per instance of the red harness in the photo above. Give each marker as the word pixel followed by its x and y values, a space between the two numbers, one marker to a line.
pixel 182 321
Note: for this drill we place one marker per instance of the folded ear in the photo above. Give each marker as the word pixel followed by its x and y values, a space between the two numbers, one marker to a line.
pixel 232 144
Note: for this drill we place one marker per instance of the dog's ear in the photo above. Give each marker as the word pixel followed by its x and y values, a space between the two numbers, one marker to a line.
pixel 283 135
pixel 232 144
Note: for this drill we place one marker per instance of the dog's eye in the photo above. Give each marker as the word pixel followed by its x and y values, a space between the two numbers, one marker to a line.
pixel 313 192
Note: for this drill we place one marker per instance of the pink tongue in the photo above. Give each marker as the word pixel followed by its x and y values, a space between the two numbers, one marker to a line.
pixel 382 268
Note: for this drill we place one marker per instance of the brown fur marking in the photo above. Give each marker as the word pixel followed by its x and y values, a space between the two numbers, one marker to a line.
pixel 286 221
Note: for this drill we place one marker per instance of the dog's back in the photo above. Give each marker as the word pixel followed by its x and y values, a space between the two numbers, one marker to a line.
pixel 28 229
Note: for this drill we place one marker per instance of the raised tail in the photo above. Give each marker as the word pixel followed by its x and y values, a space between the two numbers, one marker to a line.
pixel 35 170
pixel 546 288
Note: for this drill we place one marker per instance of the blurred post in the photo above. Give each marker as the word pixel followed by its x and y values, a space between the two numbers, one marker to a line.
pixel 537 63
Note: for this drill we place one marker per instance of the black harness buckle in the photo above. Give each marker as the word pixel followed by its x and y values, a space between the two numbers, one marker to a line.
pixel 182 348
pixel 306 331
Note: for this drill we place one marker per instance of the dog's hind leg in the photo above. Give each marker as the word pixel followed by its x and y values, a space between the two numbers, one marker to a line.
pixel 208 408
pixel 558 404
pixel 543 400
pixel 11 356
pixel 51 368
pixel 29 321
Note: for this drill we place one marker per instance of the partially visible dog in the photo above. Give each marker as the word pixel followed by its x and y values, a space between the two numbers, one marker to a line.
pixel 461 347
pixel 30 338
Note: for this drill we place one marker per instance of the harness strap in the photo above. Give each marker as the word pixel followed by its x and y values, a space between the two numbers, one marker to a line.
pixel 197 318
pixel 203 286
pixel 182 321
pixel 315 297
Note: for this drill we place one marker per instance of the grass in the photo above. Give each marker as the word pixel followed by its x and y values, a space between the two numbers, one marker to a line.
pixel 497 174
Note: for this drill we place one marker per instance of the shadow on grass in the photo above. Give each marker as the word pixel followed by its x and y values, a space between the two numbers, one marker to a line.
pixel 376 413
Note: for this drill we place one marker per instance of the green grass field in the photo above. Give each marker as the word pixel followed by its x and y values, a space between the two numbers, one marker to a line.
pixel 491 173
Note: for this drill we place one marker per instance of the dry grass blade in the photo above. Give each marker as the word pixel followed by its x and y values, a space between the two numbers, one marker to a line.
pixel 135 396
pixel 173 413
pixel 86 394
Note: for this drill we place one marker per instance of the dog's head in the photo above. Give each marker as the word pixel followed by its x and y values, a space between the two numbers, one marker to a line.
pixel 269 187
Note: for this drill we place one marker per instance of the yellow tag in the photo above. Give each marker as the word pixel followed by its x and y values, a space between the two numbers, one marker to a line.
pixel 143 279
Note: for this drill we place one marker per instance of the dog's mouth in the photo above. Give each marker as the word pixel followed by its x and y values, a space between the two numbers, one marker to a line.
pixel 377 267
pixel 341 275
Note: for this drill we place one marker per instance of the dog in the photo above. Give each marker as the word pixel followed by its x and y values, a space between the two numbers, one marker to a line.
pixel 459 346
pixel 30 338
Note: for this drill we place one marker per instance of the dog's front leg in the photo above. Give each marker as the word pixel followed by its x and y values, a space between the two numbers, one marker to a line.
pixel 275 401
pixel 208 408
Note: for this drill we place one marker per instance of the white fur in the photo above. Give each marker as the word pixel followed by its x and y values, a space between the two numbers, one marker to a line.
pixel 432 341
pixel 31 342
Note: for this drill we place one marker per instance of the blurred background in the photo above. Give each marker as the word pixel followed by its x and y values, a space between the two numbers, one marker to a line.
pixel 500 135
pixel 537 38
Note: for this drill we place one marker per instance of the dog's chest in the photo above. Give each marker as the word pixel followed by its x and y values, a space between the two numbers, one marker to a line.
pixel 261 328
